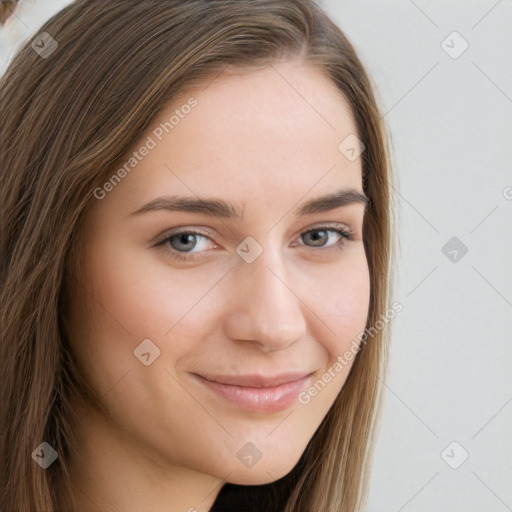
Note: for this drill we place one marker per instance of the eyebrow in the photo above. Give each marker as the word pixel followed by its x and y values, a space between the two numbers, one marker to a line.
pixel 229 211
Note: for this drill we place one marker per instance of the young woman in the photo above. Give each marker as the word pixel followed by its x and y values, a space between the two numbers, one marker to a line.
pixel 196 246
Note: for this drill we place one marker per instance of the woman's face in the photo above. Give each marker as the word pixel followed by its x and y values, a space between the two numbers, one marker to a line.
pixel 263 286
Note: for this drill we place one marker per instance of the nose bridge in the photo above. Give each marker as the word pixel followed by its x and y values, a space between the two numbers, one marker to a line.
pixel 268 309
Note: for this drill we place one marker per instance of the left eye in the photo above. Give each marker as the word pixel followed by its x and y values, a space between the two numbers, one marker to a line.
pixel 184 242
pixel 321 235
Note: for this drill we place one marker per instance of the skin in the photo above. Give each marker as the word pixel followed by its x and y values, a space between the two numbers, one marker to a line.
pixel 267 140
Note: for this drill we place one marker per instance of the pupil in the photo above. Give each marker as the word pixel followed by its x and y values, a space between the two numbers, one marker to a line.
pixel 318 236
pixel 184 238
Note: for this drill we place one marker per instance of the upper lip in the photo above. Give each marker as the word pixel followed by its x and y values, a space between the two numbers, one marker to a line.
pixel 256 381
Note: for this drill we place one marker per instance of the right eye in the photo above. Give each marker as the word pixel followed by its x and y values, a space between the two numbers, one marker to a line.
pixel 182 242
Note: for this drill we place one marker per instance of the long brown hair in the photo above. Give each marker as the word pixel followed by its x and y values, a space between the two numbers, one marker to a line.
pixel 67 118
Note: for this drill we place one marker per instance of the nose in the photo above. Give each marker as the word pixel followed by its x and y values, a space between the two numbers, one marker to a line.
pixel 266 307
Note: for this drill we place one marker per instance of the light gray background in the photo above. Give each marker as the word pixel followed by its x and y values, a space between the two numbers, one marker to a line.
pixel 450 376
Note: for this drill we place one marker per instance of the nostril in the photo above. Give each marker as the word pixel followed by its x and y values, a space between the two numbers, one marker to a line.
pixel 6 9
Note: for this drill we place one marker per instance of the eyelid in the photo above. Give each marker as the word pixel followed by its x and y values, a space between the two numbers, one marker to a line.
pixel 329 225
pixel 160 239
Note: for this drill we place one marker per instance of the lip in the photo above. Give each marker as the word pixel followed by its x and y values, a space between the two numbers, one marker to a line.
pixel 257 393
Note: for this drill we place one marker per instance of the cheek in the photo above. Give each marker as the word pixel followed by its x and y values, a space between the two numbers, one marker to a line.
pixel 126 299
pixel 342 301
pixel 143 295
pixel 342 305
pixel 350 305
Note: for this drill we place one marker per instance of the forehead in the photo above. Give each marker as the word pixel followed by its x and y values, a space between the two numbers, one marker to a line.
pixel 272 131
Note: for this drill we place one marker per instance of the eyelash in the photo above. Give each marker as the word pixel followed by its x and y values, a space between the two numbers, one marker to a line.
pixel 346 236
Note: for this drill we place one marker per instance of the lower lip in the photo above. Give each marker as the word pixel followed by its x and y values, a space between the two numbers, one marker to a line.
pixel 258 399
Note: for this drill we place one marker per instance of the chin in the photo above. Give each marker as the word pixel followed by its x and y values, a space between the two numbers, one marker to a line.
pixel 261 474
